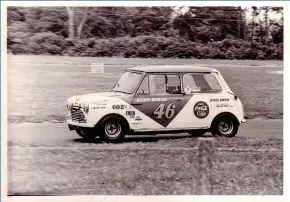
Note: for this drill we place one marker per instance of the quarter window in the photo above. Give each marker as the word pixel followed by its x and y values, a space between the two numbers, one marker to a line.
pixel 144 88
pixel 200 83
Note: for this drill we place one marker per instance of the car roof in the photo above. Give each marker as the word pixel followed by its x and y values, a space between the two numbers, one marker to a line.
pixel 173 68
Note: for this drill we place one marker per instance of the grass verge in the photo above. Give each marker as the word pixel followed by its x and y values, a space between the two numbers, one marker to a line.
pixel 131 170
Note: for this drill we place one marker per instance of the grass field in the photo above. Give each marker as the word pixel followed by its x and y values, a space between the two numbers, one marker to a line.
pixel 39 85
pixel 166 167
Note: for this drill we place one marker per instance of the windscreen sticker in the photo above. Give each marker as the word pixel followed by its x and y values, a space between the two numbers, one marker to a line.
pixel 195 90
pixel 201 109
pixel 187 89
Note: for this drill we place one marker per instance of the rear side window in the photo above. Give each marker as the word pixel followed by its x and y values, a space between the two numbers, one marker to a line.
pixel 200 83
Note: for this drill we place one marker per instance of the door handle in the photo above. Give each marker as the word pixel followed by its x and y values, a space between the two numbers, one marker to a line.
pixel 179 99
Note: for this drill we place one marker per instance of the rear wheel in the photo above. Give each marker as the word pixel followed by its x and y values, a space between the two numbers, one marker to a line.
pixel 225 126
pixel 112 129
pixel 86 133
pixel 197 133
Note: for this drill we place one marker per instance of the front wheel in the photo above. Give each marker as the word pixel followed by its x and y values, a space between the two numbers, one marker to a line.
pixel 225 126
pixel 112 129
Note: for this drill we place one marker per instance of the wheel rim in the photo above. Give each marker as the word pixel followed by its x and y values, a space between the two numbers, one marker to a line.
pixel 113 129
pixel 225 127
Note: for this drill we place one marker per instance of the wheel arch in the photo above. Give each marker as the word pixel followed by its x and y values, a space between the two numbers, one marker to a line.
pixel 114 115
pixel 229 114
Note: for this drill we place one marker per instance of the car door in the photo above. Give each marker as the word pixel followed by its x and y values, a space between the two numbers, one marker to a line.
pixel 159 97
pixel 203 90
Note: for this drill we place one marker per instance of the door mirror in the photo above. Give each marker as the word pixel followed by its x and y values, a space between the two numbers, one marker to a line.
pixel 112 86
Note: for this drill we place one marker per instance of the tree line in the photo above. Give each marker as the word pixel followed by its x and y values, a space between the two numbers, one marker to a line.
pixel 148 32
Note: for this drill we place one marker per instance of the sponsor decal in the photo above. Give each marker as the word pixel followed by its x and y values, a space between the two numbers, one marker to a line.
pixel 219 100
pixel 187 89
pixel 130 114
pixel 151 99
pixel 97 107
pixel 119 106
pixel 99 102
pixel 224 105
pixel 138 118
pixel 201 109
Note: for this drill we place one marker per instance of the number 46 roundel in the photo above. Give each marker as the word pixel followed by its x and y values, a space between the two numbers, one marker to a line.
pixel 166 111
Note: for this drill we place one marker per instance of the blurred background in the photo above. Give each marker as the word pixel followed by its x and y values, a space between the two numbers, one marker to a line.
pixel 148 32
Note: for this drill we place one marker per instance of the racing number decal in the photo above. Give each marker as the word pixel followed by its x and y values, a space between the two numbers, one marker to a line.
pixel 168 112
pixel 162 110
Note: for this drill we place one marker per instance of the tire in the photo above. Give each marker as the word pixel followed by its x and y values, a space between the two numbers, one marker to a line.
pixel 197 133
pixel 112 129
pixel 225 126
pixel 86 133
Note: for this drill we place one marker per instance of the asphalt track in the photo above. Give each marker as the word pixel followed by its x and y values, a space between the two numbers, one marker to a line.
pixel 50 134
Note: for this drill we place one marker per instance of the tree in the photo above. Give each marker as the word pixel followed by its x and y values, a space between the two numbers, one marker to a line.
pixel 71 22
pixel 208 23
pixel 255 12
pixel 75 28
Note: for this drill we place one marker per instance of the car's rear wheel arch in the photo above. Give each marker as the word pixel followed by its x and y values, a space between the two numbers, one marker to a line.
pixel 225 124
pixel 228 114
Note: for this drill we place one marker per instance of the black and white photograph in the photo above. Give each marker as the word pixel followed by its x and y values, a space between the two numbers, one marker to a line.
pixel 144 100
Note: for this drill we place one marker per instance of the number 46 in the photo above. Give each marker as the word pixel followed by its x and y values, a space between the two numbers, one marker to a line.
pixel 169 111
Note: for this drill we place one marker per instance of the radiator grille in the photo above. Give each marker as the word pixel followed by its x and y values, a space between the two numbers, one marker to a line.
pixel 77 115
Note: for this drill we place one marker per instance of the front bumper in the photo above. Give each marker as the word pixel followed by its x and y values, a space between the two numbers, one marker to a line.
pixel 72 125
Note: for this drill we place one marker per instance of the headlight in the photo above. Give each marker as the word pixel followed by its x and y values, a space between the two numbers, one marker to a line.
pixel 85 106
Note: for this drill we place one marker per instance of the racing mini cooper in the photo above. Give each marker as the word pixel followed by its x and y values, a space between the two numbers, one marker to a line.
pixel 158 99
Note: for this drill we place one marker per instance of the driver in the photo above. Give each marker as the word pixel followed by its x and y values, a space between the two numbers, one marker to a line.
pixel 157 83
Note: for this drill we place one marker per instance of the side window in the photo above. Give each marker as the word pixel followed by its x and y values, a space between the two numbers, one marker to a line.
pixel 164 84
pixel 144 88
pixel 212 82
pixel 157 84
pixel 173 84
pixel 194 83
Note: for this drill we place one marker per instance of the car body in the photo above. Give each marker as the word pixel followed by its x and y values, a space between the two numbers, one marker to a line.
pixel 158 99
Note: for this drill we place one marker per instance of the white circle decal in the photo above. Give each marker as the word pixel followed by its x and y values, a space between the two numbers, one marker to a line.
pixel 187 89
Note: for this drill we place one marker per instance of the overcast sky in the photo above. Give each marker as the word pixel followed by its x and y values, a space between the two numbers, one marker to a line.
pixel 271 15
